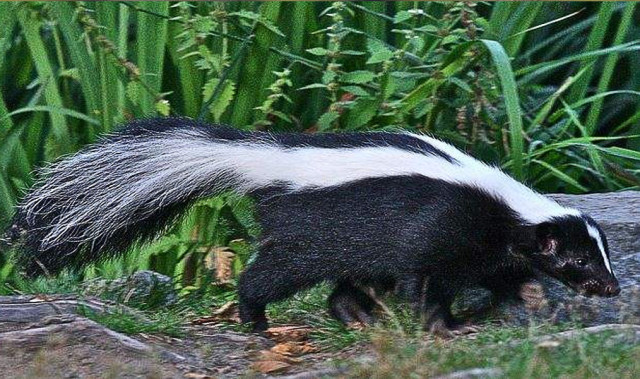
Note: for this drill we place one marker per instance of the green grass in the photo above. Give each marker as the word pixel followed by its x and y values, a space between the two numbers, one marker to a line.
pixel 164 322
pixel 513 351
pixel 401 348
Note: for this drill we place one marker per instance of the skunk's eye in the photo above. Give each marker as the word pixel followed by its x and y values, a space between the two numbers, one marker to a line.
pixel 581 262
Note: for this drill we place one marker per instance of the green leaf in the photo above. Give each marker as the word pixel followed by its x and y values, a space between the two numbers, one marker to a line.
pixel 281 115
pixel 358 91
pixel 261 20
pixel 452 38
pixel 220 104
pixel 311 86
pixel 358 77
pixel 319 51
pixel 150 49
pixel 163 107
pixel 529 73
pixel 461 83
pixel 31 28
pixel 328 77
pixel 351 52
pixel 362 112
pixel 621 152
pixel 401 17
pixel 325 121
pixel 380 56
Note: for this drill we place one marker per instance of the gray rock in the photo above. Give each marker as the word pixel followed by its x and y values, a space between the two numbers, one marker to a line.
pixel 618 213
pixel 35 308
pixel 314 374
pixel 146 288
pixel 619 216
pixel 616 333
pixel 474 373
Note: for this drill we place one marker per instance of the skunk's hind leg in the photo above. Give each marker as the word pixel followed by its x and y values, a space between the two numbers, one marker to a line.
pixel 265 281
pixel 351 305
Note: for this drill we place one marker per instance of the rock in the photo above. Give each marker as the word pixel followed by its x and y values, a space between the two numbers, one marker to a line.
pixel 621 333
pixel 314 374
pixel 144 288
pixel 67 345
pixel 619 216
pixel 76 347
pixel 618 213
pixel 34 308
pixel 78 328
pixel 474 373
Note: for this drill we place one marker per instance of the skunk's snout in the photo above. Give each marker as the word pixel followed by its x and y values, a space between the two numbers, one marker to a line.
pixel 594 287
pixel 612 290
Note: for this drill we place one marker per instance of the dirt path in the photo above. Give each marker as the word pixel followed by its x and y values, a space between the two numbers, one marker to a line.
pixel 68 346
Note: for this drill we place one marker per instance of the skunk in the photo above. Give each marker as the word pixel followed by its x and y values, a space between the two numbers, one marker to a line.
pixel 352 208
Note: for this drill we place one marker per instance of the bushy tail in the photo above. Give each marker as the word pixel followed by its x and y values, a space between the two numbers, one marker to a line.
pixel 127 187
pixel 130 186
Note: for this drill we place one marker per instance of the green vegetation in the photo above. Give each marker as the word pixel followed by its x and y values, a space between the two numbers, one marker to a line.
pixel 530 86
pixel 545 90
pixel 165 322
pixel 516 356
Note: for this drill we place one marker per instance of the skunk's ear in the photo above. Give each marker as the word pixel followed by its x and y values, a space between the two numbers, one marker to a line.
pixel 547 237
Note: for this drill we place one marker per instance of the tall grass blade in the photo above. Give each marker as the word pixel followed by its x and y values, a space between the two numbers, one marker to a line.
pixel 609 66
pixel 88 73
pixel 257 67
pixel 512 103
pixel 529 73
pixel 30 26
pixel 596 38
pixel 151 40
pixel 54 111
pixel 528 11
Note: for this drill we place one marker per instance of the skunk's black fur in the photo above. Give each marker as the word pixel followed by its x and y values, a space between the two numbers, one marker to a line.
pixel 355 209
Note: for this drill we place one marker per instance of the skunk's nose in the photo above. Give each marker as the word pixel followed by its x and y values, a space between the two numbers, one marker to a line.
pixel 612 290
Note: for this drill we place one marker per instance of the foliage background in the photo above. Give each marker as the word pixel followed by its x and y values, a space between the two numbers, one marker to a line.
pixel 547 90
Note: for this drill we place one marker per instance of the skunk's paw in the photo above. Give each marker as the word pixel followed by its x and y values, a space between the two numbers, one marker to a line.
pixel 532 293
pixel 351 313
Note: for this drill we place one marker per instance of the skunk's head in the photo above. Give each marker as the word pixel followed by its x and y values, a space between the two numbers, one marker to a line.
pixel 574 250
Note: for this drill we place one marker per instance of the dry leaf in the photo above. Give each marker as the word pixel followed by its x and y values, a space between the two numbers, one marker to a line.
pixel 268 355
pixel 220 260
pixel 356 325
pixel 266 367
pixel 293 349
pixel 227 313
pixel 288 333
pixel 548 344
pixel 195 375
pixel 269 361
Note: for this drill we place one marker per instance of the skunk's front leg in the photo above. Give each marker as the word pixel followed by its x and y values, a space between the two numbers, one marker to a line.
pixel 531 292
pixel 410 288
pixel 437 316
pixel 508 284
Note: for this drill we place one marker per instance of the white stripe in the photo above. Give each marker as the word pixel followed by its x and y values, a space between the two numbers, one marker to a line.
pixel 529 204
pixel 595 234
pixel 141 174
